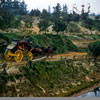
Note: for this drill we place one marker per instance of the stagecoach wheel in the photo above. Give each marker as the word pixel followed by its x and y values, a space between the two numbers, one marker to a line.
pixel 30 55
pixel 7 56
pixel 19 56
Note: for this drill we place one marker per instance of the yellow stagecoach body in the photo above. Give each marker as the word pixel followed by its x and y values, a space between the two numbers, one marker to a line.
pixel 16 50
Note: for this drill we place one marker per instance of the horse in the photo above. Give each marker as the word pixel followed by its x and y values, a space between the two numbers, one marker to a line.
pixel 36 51
pixel 50 51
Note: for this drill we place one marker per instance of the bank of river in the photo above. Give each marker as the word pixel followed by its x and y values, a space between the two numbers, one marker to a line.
pixel 89 92
pixel 92 93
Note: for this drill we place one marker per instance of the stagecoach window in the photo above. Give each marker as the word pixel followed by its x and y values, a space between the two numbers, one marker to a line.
pixel 12 45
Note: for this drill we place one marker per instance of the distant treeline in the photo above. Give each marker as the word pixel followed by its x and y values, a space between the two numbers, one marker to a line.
pixel 14 6
pixel 12 10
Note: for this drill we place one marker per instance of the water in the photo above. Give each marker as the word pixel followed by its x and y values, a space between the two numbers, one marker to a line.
pixel 92 93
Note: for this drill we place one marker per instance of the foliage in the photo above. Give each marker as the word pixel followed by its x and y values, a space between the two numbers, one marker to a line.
pixel 35 12
pixel 73 27
pixel 14 6
pixel 94 49
pixel 6 38
pixel 6 18
pixel 62 43
pixel 44 75
pixel 58 20
pixel 45 21
pixel 92 24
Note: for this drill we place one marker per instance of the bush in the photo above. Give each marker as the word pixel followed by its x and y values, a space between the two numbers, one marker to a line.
pixel 94 49
pixel 62 43
pixel 73 27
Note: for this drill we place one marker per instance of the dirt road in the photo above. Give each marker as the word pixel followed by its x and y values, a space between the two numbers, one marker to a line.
pixel 70 55
pixel 57 57
pixel 82 43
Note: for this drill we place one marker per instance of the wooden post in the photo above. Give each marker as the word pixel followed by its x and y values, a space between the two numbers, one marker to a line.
pixel 4 68
pixel 30 63
pixel 65 60
pixel 74 57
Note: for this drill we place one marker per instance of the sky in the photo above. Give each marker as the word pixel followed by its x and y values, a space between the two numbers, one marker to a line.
pixel 43 4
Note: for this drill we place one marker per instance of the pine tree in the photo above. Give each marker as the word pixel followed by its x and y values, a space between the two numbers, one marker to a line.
pixel 35 12
pixel 65 9
pixel 45 22
pixel 59 25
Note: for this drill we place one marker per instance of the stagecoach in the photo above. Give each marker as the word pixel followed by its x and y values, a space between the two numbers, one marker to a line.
pixel 16 50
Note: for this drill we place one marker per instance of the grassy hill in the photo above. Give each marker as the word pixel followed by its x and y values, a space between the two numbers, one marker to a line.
pixel 62 43
pixel 47 79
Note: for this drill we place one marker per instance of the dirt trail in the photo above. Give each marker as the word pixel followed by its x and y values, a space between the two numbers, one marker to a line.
pixel 83 43
pixel 69 55
pixel 57 57
pixel 13 67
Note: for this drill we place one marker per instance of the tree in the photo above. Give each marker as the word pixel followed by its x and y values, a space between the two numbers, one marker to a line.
pixel 14 6
pixel 65 9
pixel 94 49
pixel 23 8
pixel 73 27
pixel 58 19
pixel 35 12
pixel 57 11
pixel 45 21
pixel 59 26
pixel 6 18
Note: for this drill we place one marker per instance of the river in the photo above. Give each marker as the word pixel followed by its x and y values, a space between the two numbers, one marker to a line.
pixel 92 93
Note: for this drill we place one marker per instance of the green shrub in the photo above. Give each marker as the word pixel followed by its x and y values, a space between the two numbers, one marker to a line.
pixel 94 49
pixel 73 27
pixel 62 43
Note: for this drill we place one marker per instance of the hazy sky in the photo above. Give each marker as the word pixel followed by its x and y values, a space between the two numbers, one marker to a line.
pixel 41 4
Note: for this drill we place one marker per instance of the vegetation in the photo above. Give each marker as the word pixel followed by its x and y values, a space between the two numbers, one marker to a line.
pixel 59 24
pixel 11 12
pixel 62 43
pixel 94 49
pixel 45 78
pixel 91 24
pixel 8 11
pixel 14 6
pixel 35 12
pixel 73 28
pixel 45 21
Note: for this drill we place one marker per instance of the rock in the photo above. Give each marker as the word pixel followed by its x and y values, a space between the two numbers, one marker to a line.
pixel 41 88
pixel 17 81
pixel 92 80
pixel 58 92
pixel 74 84
pixel 87 69
pixel 79 83
pixel 87 79
pixel 64 91
pixel 17 90
pixel 52 94
pixel 10 83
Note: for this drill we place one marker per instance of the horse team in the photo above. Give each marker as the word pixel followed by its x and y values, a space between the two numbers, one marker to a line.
pixel 40 51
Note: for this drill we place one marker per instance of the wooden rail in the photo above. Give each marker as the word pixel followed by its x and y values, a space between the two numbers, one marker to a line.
pixel 21 63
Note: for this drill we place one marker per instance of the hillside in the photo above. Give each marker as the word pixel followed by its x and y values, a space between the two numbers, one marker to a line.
pixel 36 30
pixel 60 78
pixel 62 43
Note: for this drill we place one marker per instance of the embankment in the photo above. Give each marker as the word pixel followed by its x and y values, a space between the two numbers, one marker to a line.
pixel 48 79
